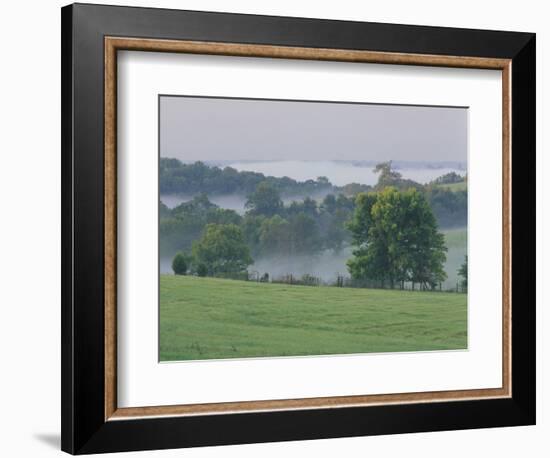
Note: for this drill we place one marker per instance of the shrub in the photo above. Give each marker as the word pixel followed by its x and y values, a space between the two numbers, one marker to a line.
pixel 202 270
pixel 179 264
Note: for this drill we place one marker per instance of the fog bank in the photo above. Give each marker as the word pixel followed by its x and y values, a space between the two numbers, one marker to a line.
pixel 328 265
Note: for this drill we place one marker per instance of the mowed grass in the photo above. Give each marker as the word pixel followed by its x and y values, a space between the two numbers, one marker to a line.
pixel 207 318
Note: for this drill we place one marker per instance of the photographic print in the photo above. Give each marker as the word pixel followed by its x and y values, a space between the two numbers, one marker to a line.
pixel 305 228
pixel 263 228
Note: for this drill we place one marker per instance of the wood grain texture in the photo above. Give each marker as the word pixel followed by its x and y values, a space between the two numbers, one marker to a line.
pixel 112 45
pixel 306 403
pixel 289 52
pixel 110 231
pixel 507 228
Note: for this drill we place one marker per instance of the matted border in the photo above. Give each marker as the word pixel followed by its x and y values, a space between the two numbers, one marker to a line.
pixel 114 44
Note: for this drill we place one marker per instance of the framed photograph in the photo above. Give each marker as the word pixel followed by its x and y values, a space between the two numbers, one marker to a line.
pixel 281 228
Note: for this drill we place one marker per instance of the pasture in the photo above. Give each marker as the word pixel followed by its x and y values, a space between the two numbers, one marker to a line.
pixel 460 186
pixel 209 318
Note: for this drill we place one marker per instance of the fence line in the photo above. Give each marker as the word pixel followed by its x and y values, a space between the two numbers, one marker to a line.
pixel 348 282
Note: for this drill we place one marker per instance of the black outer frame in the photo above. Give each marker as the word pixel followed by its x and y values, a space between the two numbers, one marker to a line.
pixel 84 429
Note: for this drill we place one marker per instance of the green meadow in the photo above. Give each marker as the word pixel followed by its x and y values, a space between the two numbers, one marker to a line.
pixel 460 186
pixel 210 318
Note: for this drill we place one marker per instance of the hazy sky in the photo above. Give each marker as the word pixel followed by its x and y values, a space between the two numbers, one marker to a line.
pixel 214 129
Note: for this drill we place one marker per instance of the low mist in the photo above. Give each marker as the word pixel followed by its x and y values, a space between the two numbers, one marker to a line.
pixel 235 202
pixel 328 265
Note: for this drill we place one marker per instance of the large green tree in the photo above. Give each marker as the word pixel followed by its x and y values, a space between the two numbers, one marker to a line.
pixel 397 240
pixel 222 249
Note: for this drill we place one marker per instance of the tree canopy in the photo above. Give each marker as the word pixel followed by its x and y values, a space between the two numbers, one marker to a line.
pixel 184 224
pixel 387 176
pixel 396 238
pixel 177 177
pixel 265 200
pixel 222 249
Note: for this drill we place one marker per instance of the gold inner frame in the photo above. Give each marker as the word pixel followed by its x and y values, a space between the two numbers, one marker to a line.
pixel 114 44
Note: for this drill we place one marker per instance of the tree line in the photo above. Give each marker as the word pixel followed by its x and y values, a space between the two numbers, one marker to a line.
pixel 177 177
pixel 392 228
pixel 450 207
pixel 268 228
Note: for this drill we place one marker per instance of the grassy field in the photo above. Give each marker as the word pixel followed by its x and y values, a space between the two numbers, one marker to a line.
pixel 460 186
pixel 206 318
